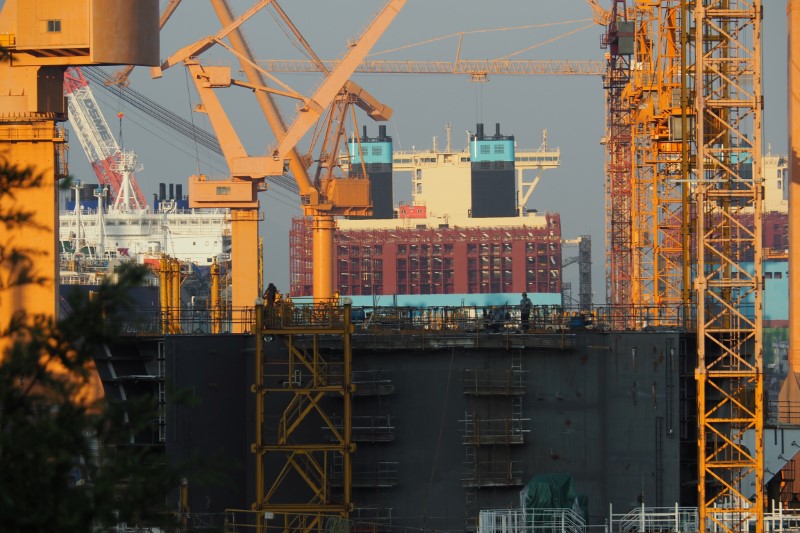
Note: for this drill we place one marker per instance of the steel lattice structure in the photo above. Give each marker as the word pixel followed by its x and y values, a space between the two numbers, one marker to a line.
pixel 619 267
pixel 298 390
pixel 644 105
pixel 729 299
pixel 478 69
pixel 671 250
pixel 95 136
pixel 658 199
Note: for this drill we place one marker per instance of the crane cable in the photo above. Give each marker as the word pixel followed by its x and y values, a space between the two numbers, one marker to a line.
pixel 470 32
pixel 173 121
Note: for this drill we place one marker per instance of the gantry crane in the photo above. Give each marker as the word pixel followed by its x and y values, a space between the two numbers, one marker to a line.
pixel 323 198
pixel 32 104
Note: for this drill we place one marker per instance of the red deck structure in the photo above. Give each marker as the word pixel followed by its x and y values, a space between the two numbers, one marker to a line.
pixel 445 260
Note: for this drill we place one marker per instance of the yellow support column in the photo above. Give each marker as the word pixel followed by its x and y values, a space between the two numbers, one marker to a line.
pixel 32 103
pixel 164 293
pixel 244 264
pixel 216 311
pixel 323 228
pixel 30 144
pixel 175 295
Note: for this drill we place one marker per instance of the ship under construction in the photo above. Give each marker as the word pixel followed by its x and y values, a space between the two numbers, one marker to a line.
pixel 334 412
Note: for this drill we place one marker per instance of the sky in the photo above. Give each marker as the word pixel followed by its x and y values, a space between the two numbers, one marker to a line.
pixel 571 109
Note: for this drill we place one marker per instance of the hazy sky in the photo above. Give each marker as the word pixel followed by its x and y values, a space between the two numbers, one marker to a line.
pixel 570 108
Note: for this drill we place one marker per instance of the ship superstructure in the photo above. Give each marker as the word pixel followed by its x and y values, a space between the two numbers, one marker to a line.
pixel 90 235
pixel 466 237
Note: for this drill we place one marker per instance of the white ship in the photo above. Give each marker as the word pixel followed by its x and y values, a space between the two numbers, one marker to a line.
pixel 93 236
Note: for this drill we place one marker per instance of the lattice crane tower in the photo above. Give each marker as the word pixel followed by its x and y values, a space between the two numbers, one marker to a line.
pixel 728 183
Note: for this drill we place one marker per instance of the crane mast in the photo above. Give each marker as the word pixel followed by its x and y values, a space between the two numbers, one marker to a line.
pixel 729 186
pixel 619 260
pixel 98 142
pixel 657 188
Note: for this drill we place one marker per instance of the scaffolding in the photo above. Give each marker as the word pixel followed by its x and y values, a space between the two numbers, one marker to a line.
pixel 364 428
pixel 300 382
pixel 491 428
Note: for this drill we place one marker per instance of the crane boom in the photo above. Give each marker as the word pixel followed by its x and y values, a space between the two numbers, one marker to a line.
pixel 470 67
pixel 324 198
pixel 95 135
pixel 336 79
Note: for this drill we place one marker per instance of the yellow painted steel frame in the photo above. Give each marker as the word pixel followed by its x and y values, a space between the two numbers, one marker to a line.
pixel 305 384
pixel 169 278
pixel 729 296
pixel 216 309
pixel 643 95
pixel 668 246
pixel 657 188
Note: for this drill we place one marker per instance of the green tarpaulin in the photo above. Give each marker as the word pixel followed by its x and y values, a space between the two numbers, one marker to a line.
pixel 552 491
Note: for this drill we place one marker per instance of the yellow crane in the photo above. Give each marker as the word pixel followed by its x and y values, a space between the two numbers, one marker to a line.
pixel 323 198
pixel 476 69
pixel 32 105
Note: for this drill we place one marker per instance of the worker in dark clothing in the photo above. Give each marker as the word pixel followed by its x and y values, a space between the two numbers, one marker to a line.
pixel 525 306
pixel 270 294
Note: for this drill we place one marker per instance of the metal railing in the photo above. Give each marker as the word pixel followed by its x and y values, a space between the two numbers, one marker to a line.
pixel 530 521
pixel 679 519
pixel 643 519
pixel 187 321
pixel 449 321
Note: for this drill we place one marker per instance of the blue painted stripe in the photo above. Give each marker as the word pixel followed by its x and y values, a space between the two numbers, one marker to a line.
pixel 456 300
pixel 482 151
pixel 374 152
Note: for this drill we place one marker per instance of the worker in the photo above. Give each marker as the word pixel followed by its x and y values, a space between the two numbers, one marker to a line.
pixel 525 306
pixel 270 294
pixel 498 319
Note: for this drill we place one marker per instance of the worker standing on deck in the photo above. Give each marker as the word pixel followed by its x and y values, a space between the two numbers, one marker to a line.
pixel 270 294
pixel 525 306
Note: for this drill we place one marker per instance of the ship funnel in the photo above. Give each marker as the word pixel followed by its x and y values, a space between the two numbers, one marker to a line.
pixel 497 129
pixel 382 131
pixel 364 136
pixel 179 191
pixel 171 191
pixel 479 131
pixel 162 191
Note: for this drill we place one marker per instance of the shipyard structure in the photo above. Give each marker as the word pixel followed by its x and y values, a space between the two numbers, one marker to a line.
pixel 446 418
pixel 465 237
pixel 452 412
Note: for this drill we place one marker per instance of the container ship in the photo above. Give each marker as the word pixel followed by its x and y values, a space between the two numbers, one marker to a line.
pixel 465 238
